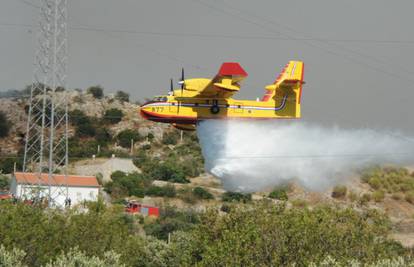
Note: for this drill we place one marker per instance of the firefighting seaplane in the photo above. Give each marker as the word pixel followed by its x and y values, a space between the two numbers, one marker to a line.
pixel 202 99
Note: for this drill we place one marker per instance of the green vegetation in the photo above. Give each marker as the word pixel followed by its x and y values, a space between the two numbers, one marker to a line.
pixel 4 182
pixel 390 180
pixel 236 197
pixel 83 124
pixel 124 137
pixel 113 115
pixel 105 236
pixel 202 193
pixel 7 164
pixel 378 196
pixel 4 125
pixel 122 96
pixel 123 184
pixel 339 191
pixel 161 191
pixel 170 138
pixel 279 193
pixel 171 220
pixel 96 91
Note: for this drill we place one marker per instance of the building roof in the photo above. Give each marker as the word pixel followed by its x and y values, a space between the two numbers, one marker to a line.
pixel 57 179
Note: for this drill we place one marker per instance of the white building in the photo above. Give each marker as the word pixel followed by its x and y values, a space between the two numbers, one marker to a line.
pixel 27 186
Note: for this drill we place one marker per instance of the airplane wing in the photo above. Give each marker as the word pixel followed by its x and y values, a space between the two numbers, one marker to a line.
pixel 223 85
pixel 229 76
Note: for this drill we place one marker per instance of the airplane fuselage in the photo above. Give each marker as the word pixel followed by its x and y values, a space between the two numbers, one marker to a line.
pixel 189 111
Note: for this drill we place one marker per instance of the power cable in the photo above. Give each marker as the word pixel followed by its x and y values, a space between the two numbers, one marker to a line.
pixel 329 51
pixel 326 41
pixel 199 35
pixel 29 4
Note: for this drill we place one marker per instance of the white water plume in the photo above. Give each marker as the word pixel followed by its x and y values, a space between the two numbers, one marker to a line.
pixel 253 155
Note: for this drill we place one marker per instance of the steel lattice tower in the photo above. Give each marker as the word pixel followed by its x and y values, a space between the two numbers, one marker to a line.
pixel 46 146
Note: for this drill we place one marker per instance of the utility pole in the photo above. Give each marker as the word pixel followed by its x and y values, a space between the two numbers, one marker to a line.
pixel 46 144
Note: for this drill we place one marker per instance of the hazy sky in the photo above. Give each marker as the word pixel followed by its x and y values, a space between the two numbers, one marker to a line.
pixel 358 54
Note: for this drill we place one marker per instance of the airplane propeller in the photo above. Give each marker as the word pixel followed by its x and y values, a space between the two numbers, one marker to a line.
pixel 182 81
pixel 171 87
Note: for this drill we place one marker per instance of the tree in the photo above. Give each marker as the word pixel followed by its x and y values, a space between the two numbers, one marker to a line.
pixel 7 164
pixel 124 137
pixel 4 182
pixel 4 125
pixel 122 96
pixel 83 124
pixel 113 115
pixel 96 91
pixel 103 136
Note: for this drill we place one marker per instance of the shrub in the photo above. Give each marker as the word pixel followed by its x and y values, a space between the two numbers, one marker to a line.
pixel 247 236
pixel 4 182
pixel 4 125
pixel 131 184
pixel 166 171
pixel 187 195
pixel 202 193
pixel 161 191
pixel 375 183
pixel 279 193
pixel 118 175
pixel 378 196
pixel 171 220
pixel 75 257
pixel 170 138
pixel 122 96
pixel 236 197
pixel 82 149
pixel 225 208
pixel 365 198
pixel 352 196
pixel 83 124
pixel 409 197
pixel 339 191
pixel 113 115
pixel 103 136
pixel 150 136
pixel 96 91
pixel 7 164
pixel 13 258
pixel 299 203
pixel 124 137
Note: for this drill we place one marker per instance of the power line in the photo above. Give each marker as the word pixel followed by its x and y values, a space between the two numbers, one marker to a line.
pixel 29 4
pixel 329 51
pixel 223 36
pixel 327 41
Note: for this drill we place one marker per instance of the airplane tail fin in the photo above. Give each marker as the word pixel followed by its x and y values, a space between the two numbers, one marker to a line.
pixel 286 90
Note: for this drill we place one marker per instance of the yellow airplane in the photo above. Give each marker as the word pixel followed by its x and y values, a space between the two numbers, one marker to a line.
pixel 202 99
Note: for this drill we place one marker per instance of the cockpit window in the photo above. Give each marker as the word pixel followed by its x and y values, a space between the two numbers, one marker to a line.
pixel 160 99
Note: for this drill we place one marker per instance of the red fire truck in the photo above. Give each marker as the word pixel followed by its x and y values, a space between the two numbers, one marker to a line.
pixel 134 207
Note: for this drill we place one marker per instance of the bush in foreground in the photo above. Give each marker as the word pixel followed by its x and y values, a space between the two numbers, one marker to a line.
pixel 263 234
pixel 339 191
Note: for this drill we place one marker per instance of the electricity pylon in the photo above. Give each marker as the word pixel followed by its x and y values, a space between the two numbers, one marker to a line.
pixel 46 146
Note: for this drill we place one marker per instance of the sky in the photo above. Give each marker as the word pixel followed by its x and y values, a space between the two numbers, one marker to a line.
pixel 358 54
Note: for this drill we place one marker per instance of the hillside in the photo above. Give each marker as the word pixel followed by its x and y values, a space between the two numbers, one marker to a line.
pixel 165 169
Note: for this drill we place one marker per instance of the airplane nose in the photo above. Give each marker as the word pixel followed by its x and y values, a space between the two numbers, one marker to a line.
pixel 143 111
